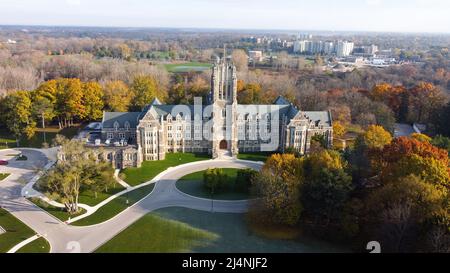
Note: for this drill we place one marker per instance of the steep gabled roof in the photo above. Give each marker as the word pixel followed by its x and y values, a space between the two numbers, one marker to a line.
pixel 281 101
pixel 319 116
pixel 155 101
pixel 109 118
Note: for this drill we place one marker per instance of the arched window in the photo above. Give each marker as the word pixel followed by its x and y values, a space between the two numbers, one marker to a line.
pixel 116 126
pixel 127 126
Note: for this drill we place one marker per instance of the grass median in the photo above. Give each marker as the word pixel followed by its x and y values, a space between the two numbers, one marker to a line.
pixel 39 245
pixel 193 184
pixel 115 206
pixel 16 231
pixel 150 169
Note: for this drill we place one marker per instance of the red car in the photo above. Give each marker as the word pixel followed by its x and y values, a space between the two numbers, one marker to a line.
pixel 3 162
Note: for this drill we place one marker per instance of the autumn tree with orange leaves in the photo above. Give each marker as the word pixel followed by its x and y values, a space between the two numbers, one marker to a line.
pixel 405 156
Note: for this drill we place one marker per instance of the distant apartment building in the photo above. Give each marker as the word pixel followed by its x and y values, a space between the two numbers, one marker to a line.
pixel 328 48
pixel 368 51
pixel 255 55
pixel 300 46
pixel 344 48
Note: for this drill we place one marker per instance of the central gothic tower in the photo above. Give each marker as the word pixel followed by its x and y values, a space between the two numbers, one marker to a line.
pixel 224 101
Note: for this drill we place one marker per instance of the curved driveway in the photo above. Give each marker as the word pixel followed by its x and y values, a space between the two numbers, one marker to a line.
pixel 165 194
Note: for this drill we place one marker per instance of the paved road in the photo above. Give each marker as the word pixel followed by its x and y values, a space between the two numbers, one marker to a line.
pixel 86 239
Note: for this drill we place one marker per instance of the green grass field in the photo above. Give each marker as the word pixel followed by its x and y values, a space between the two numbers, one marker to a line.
pixel 193 184
pixel 149 169
pixel 59 213
pixel 16 231
pixel 187 230
pixel 153 233
pixel 262 156
pixel 88 197
pixel 39 245
pixel 3 176
pixel 187 67
pixel 7 140
pixel 114 207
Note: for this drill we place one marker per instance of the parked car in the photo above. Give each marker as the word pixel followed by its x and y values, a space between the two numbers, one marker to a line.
pixel 3 162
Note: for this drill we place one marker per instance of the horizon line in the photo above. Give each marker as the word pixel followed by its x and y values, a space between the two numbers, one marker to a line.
pixel 227 29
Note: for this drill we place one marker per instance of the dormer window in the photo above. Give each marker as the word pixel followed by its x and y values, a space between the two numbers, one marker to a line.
pixel 169 118
pixel 127 126
pixel 116 126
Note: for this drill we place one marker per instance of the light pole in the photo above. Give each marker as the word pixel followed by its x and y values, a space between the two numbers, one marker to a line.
pixel 212 198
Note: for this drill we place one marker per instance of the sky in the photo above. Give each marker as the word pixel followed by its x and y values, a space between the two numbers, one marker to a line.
pixel 329 15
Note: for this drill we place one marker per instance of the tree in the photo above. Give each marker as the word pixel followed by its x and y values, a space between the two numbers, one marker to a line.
pixel 44 101
pixel 240 60
pixel 214 179
pixel 118 97
pixel 338 129
pixel 441 120
pixel 251 94
pixel 93 100
pixel 278 185
pixel 145 89
pixel 423 100
pixel 76 168
pixel 406 156
pixel 399 211
pixel 376 137
pixel 69 101
pixel 421 137
pixel 324 196
pixel 42 108
pixel 244 179
pixel 441 142
pixel 17 114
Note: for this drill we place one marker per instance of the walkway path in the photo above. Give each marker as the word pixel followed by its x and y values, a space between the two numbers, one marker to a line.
pixel 66 238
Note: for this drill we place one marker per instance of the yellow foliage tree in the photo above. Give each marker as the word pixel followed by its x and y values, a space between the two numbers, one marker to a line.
pixel 376 137
pixel 338 129
pixel 421 137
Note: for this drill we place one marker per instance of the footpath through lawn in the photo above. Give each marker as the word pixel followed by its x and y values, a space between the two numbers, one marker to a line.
pixel 150 169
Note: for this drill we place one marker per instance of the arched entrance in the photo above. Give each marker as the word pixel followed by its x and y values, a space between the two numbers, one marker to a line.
pixel 223 145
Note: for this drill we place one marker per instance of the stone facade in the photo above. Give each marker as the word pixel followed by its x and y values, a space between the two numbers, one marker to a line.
pixel 219 125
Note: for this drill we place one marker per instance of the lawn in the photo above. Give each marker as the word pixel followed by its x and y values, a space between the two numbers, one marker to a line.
pixel 114 207
pixel 193 184
pixel 262 156
pixel 187 67
pixel 149 169
pixel 7 140
pixel 3 176
pixel 59 213
pixel 39 245
pixel 88 197
pixel 165 236
pixel 16 231
pixel 187 230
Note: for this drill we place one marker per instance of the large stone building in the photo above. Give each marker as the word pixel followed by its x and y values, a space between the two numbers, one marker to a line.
pixel 219 126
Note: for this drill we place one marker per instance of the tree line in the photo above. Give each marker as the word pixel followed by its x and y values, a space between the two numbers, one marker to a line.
pixel 395 191
pixel 67 100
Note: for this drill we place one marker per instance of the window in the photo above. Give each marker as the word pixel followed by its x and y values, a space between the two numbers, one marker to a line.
pixel 121 135
pixel 116 126
pixel 127 126
pixel 110 136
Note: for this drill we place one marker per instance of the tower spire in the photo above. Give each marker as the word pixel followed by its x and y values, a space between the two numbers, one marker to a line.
pixel 224 52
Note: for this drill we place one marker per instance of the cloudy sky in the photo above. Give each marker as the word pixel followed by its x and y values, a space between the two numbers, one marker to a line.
pixel 359 15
